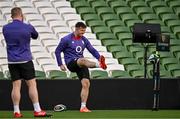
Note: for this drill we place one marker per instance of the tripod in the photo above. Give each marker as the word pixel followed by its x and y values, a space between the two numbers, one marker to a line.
pixel 155 59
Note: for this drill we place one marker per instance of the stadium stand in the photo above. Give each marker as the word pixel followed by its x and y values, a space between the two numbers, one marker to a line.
pixel 109 30
pixel 52 19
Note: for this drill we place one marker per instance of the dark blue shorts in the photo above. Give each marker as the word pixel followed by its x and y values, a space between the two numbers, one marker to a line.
pixel 82 72
pixel 22 71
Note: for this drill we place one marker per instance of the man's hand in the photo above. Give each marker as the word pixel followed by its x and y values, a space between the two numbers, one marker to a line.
pixel 62 67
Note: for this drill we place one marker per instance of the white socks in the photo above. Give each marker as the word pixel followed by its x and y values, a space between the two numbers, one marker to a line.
pixel 37 107
pixel 97 65
pixel 16 109
pixel 83 104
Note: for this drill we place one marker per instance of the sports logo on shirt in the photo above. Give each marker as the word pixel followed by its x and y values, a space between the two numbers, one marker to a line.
pixel 78 49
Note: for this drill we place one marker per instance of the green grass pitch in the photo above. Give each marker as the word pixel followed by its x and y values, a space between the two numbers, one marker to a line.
pixel 102 114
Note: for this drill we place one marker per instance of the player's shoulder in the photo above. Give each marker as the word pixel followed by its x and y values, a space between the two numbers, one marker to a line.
pixel 68 37
pixel 85 39
pixel 28 24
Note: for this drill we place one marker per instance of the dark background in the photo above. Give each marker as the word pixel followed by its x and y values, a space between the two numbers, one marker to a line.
pixel 104 94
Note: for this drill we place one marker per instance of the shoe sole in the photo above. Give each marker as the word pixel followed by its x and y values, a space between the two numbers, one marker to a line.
pixel 47 115
pixel 85 112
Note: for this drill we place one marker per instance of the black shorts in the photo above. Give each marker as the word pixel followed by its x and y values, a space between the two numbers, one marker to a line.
pixel 22 71
pixel 82 72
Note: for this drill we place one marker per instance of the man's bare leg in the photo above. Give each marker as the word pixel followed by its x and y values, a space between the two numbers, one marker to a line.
pixel 16 95
pixel 83 62
pixel 84 94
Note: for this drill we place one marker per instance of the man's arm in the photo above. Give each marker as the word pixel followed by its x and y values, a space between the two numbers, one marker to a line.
pixel 92 50
pixel 34 33
pixel 61 46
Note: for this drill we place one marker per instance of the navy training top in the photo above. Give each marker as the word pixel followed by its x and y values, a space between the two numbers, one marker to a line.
pixel 73 48
pixel 17 36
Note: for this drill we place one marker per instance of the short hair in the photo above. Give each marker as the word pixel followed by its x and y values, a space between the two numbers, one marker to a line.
pixel 16 11
pixel 80 24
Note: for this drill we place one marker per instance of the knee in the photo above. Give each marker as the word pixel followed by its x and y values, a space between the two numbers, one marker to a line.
pixel 31 83
pixel 81 61
pixel 85 83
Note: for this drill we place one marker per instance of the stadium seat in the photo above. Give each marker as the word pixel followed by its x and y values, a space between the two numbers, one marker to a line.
pixel 95 23
pixel 116 3
pixel 95 42
pixel 60 4
pixel 175 42
pixel 175 49
pixel 120 74
pixel 90 35
pixel 30 10
pixel 46 61
pixel 166 55
pixel 163 74
pixel 51 17
pixel 168 17
pixel 57 23
pixel 35 49
pixel 23 4
pixel 116 48
pixel 111 62
pixel 38 23
pixel 43 30
pixel 98 4
pixel 54 74
pixel 3 54
pixel 98 74
pixel 1 76
pixel 176 31
pixel 136 4
pixel 108 17
pixel 5 70
pixel 173 68
pixel 133 67
pixel 73 75
pixel 123 10
pixel 80 4
pixel 104 10
pixel 120 29
pixel 47 36
pixel 40 74
pixel 106 36
pixel 114 23
pixel 6 10
pixel 122 54
pixel 111 42
pixel 51 68
pixel 156 3
pixel 128 17
pixel 59 30
pixel 139 55
pixel 50 42
pixel 128 61
pixel 47 10
pixel 163 10
pixel 175 6
pixel 6 4
pixel 176 73
pixel 168 61
pixel 143 10
pixel 34 17
pixel 146 17
pixel 101 29
pixel 137 74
